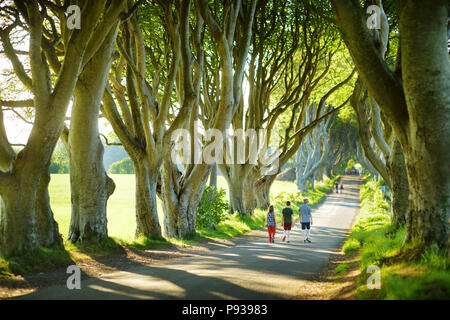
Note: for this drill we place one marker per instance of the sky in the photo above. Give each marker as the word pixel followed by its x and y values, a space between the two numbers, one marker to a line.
pixel 17 130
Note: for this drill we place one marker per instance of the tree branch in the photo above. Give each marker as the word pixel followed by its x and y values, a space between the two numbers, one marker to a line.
pixel 383 84
pixel 17 104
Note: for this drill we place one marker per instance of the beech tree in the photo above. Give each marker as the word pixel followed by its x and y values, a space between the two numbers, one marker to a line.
pixel 139 103
pixel 288 61
pixel 90 184
pixel 26 217
pixel 391 166
pixel 230 30
pixel 415 101
pixel 313 152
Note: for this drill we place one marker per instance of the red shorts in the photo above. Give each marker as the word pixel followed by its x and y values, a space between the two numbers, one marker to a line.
pixel 287 225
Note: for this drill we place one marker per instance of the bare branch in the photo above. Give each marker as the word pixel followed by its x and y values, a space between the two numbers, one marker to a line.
pixel 17 104
pixel 110 143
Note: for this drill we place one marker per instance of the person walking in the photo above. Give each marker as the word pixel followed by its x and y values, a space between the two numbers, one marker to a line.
pixel 286 221
pixel 336 185
pixel 342 187
pixel 306 221
pixel 271 223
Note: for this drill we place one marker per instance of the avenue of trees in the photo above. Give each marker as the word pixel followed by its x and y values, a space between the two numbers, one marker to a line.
pixel 325 81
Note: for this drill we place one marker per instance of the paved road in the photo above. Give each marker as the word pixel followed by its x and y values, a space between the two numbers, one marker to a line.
pixel 253 270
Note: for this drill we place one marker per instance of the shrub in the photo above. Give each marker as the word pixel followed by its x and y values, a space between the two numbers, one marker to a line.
pixel 124 166
pixel 212 208
pixel 60 160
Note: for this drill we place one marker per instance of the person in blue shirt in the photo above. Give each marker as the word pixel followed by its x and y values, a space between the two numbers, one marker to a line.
pixel 306 221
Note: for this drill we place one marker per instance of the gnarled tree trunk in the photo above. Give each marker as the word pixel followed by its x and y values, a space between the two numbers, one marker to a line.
pixel 416 106
pixel 47 228
pixel 399 183
pixel 180 203
pixel 147 222
pixel 89 183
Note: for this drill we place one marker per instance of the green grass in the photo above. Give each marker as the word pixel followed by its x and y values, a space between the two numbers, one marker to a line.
pixel 342 268
pixel 47 259
pixel 40 259
pixel 351 245
pixel 235 225
pixel 407 272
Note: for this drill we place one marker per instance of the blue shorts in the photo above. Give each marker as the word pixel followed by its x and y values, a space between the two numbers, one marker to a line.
pixel 306 225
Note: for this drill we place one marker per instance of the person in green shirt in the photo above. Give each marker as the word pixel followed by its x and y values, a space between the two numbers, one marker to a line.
pixel 286 220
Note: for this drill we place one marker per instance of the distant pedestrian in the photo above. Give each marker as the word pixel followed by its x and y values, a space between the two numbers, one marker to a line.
pixel 271 223
pixel 336 185
pixel 286 221
pixel 341 187
pixel 306 221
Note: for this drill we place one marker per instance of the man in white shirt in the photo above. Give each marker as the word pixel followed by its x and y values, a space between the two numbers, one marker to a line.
pixel 305 220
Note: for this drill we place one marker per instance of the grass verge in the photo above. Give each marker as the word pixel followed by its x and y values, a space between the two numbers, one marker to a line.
pixel 406 272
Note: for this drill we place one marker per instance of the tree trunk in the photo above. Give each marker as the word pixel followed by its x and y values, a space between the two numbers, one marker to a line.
pixel 47 228
pixel 90 185
pixel 236 176
pixel 262 191
pixel 90 190
pixel 181 198
pixel 399 183
pixel 236 195
pixel 249 190
pixel 311 181
pixel 147 222
pixel 213 176
pixel 426 81
pixel 24 197
pixel 18 222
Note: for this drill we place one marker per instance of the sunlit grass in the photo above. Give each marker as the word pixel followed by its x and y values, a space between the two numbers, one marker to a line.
pixel 407 272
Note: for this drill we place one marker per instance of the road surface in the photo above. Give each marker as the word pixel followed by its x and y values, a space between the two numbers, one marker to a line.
pixel 252 270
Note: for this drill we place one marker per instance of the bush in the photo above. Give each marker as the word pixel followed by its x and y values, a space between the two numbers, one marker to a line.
pixel 212 208
pixel 60 160
pixel 124 166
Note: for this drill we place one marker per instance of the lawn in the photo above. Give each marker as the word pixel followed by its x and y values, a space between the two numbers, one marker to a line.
pixel 121 205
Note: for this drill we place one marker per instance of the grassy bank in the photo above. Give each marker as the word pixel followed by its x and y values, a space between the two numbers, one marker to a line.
pixel 407 272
